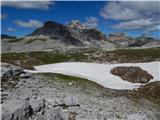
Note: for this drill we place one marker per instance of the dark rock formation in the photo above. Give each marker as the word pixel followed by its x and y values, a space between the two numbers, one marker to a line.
pixel 132 74
pixel 94 34
pixel 56 31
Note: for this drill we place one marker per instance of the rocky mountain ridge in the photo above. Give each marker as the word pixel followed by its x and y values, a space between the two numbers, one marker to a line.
pixel 53 35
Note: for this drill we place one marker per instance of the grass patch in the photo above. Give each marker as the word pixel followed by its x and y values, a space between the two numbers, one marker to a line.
pixel 132 55
pixel 30 59
pixel 83 83
pixel 138 53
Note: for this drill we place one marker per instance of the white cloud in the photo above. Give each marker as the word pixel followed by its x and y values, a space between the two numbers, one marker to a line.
pixel 91 22
pixel 131 15
pixel 153 28
pixel 42 5
pixel 29 24
pixel 129 10
pixel 136 24
pixel 11 29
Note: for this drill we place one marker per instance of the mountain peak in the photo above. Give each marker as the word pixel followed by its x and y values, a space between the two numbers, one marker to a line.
pixel 50 24
pixel 77 25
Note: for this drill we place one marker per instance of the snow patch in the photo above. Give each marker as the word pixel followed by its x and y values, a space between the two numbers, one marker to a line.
pixel 100 73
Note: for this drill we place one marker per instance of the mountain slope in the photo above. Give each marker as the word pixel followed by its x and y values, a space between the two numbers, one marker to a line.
pixel 56 31
pixel 54 36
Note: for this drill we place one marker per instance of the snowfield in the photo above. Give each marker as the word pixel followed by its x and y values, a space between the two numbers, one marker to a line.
pixel 100 73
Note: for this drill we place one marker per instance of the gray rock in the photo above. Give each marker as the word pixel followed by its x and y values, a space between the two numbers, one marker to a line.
pixel 23 113
pixel 58 116
pixel 20 112
pixel 9 70
pixel 6 115
pixel 25 75
pixel 10 75
pixel 37 105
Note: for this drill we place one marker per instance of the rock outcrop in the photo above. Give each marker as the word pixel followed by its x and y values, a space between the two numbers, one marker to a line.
pixel 132 74
pixel 76 25
pixel 9 70
pixel 121 39
pixel 10 75
pixel 94 34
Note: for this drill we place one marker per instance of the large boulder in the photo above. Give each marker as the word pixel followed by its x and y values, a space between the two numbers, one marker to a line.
pixel 9 70
pixel 132 74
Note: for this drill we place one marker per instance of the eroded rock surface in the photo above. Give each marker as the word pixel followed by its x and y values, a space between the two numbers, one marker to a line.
pixel 48 97
pixel 132 74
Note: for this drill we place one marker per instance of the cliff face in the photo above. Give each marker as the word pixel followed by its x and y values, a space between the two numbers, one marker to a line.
pixel 117 37
pixel 120 39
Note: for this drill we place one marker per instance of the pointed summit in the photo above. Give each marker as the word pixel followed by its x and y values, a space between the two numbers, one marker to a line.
pixel 77 25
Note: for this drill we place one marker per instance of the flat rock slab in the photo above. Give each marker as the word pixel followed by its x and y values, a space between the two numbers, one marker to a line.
pixel 132 74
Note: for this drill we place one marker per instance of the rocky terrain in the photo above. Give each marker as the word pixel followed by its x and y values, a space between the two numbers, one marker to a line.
pixel 60 97
pixel 52 96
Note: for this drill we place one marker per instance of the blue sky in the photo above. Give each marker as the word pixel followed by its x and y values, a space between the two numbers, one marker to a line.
pixel 134 18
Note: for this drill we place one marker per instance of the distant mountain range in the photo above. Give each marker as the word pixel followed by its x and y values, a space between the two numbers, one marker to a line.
pixel 53 35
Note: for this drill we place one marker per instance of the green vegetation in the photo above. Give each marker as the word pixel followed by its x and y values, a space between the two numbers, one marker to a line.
pixel 30 59
pixel 153 53
pixel 84 84
pixel 132 55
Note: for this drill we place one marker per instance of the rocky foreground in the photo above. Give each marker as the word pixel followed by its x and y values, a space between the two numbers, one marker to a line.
pixel 58 97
